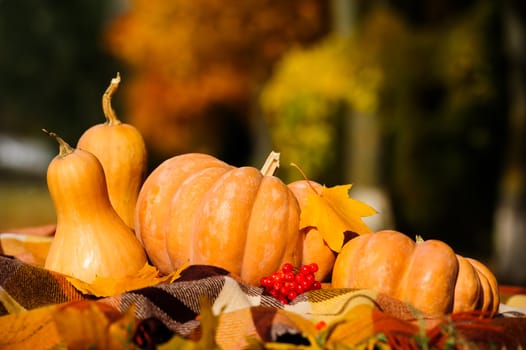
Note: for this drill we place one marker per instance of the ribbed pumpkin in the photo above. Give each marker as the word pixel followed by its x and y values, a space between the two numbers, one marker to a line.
pixel 195 208
pixel 315 250
pixel 427 274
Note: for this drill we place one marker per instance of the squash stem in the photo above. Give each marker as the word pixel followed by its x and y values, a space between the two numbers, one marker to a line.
pixel 64 147
pixel 109 112
pixel 306 178
pixel 271 164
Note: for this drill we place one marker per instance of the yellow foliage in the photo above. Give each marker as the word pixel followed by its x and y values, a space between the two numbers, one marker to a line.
pixel 333 212
pixel 312 89
pixel 186 56
pixel 103 287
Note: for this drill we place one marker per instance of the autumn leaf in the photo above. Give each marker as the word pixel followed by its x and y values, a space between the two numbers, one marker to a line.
pixel 333 212
pixel 103 286
pixel 190 56
pixel 85 325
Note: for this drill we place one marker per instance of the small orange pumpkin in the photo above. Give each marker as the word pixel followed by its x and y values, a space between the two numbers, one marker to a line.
pixel 315 250
pixel 195 208
pixel 427 274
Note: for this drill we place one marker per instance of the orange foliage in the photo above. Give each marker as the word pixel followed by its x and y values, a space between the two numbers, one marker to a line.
pixel 187 56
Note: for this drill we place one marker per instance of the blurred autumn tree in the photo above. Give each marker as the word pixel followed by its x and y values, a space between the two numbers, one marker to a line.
pixel 195 67
pixel 435 86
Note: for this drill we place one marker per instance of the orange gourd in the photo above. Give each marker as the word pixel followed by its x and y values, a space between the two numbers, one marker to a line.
pixel 195 208
pixel 427 274
pixel 121 150
pixel 315 250
pixel 90 239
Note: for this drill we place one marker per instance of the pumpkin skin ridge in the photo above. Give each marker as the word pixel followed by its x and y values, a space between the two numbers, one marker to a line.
pixel 297 252
pixel 220 254
pixel 428 273
pixel 374 253
pixel 349 254
pixel 175 229
pixel 147 221
pixel 467 288
pixel 283 242
pixel 491 292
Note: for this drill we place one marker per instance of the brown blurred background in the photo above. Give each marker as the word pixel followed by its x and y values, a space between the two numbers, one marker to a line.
pixel 420 104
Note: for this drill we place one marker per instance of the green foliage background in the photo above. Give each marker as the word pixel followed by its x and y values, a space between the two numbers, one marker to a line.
pixel 439 96
pixel 53 66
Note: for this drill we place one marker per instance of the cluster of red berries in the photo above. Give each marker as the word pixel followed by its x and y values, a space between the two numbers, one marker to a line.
pixel 286 284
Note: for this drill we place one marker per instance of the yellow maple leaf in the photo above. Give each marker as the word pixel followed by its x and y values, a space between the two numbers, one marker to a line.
pixel 104 286
pixel 333 212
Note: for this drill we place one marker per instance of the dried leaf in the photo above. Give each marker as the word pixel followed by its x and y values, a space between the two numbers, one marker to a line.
pixel 103 287
pixel 9 303
pixel 29 248
pixel 84 325
pixel 333 212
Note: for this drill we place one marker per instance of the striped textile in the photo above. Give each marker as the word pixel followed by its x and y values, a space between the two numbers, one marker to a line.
pixel 39 309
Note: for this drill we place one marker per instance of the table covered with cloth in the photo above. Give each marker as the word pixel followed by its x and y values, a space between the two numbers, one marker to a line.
pixel 208 307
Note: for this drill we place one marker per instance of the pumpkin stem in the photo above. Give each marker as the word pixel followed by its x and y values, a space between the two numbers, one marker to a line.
pixel 64 147
pixel 419 239
pixel 109 112
pixel 271 164
pixel 305 177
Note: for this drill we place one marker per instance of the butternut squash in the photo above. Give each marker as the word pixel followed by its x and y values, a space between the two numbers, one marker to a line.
pixel 121 150
pixel 91 239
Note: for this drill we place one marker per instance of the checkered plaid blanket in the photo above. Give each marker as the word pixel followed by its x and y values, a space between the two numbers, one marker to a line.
pixel 40 309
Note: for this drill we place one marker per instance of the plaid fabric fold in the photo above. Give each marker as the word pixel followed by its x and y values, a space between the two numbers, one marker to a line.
pixel 42 310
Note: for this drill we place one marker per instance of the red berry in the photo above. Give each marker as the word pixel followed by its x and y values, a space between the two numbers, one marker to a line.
pixel 316 285
pixel 320 325
pixel 275 277
pixel 292 295
pixel 266 281
pixel 309 277
pixel 300 289
pixel 276 285
pixel 313 267
pixel 299 278
pixel 305 285
pixel 287 267
pixel 287 283
pixel 289 276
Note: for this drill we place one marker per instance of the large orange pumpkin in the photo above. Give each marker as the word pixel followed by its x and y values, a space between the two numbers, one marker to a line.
pixel 195 208
pixel 427 274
